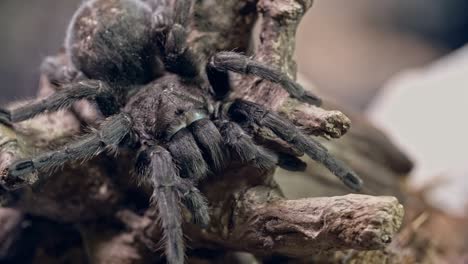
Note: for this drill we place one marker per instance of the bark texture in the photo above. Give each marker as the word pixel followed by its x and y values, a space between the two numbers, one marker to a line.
pixel 105 216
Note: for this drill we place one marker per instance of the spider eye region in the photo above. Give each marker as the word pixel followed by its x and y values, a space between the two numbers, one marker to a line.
pixel 110 40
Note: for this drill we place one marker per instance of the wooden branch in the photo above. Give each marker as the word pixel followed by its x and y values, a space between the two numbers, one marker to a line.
pixel 279 23
pixel 314 120
pixel 299 228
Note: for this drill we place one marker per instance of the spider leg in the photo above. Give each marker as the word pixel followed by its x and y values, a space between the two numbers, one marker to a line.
pixel 220 82
pixel 87 89
pixel 247 112
pixel 187 155
pixel 238 63
pixel 108 137
pixel 169 189
pixel 243 148
pixel 179 58
pixel 191 196
pixel 172 34
pixel 196 203
pixel 210 142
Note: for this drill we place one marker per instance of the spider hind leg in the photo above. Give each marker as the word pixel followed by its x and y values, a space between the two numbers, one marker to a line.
pixel 112 133
pixel 71 93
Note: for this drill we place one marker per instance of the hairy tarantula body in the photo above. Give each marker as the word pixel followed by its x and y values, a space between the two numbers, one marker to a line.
pixel 131 58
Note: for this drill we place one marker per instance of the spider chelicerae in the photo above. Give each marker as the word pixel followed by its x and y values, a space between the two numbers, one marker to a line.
pixel 131 58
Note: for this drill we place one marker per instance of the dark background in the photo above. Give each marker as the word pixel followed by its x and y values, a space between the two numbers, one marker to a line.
pixel 348 48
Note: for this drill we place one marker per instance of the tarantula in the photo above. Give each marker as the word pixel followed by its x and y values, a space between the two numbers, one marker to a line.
pixel 131 58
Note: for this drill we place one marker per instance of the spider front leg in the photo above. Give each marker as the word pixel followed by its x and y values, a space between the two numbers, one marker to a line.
pixel 72 92
pixel 242 147
pixel 238 63
pixel 159 168
pixel 248 113
pixel 210 141
pixel 108 137
pixel 188 156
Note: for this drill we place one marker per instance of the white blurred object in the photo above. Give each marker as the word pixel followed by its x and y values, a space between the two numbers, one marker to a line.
pixel 426 113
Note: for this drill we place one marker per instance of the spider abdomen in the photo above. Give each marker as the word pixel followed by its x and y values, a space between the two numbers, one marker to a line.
pixel 111 40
